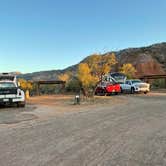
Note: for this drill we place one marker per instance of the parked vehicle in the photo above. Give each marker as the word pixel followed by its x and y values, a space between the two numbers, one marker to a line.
pixel 120 78
pixel 10 92
pixel 138 86
pixel 128 86
pixel 107 88
pixel 125 88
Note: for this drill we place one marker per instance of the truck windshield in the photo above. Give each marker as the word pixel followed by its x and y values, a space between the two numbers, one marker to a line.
pixel 7 85
pixel 119 77
pixel 136 81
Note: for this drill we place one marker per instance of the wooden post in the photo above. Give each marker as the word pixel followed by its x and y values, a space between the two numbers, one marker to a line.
pixel 38 89
pixel 62 87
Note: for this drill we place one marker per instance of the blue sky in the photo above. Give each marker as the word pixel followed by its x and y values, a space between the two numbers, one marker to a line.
pixel 40 35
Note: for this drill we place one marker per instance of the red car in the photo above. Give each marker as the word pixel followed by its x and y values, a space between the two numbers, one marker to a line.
pixel 108 88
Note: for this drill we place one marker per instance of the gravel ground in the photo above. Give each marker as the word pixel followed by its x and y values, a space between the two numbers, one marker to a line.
pixel 122 131
pixel 12 115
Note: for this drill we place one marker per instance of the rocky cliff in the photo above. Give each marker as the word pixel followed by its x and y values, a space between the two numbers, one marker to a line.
pixel 147 60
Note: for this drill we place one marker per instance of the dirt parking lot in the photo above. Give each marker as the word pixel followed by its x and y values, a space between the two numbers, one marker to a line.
pixel 126 130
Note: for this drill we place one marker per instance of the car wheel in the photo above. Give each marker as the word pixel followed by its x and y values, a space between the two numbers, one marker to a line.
pixel 145 92
pixel 132 90
pixel 121 90
pixel 21 104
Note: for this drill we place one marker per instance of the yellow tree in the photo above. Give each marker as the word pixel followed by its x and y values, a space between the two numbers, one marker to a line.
pixel 101 64
pixel 64 77
pixel 96 66
pixel 25 85
pixel 85 77
pixel 87 80
pixel 128 69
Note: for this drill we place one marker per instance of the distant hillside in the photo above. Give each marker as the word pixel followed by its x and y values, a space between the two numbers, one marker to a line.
pixel 147 60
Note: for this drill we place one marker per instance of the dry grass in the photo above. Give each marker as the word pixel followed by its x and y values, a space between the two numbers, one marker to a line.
pixel 69 100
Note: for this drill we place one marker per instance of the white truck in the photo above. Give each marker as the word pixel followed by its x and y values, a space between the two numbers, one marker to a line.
pixel 137 86
pixel 10 92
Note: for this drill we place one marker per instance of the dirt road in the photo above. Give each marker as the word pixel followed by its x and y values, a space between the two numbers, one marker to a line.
pixel 123 131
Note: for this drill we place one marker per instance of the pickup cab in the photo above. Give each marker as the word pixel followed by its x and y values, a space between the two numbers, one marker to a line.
pixel 125 87
pixel 10 93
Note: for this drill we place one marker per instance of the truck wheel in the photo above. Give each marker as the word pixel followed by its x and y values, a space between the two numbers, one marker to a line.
pixel 132 90
pixel 21 104
pixel 106 94
pixel 98 94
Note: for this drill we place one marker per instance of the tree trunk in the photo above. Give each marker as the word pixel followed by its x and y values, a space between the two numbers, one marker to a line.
pixel 94 90
pixel 84 92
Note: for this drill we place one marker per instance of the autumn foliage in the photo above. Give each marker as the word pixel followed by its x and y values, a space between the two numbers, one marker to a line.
pixel 85 76
pixel 101 64
pixel 25 85
pixel 92 71
pixel 64 77
pixel 128 69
